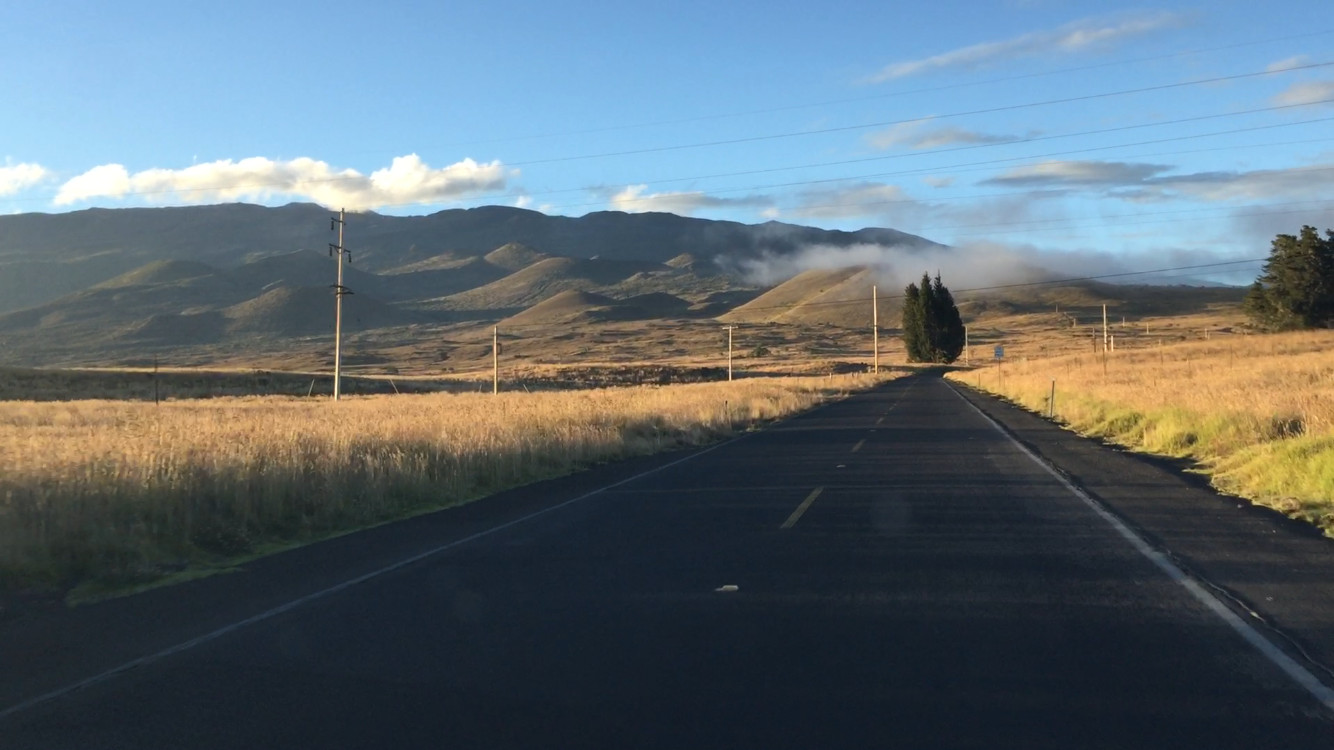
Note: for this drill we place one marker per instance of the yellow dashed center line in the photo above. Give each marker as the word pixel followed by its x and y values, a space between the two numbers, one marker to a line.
pixel 796 514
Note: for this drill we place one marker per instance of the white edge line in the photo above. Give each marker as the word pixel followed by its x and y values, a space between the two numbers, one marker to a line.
pixel 295 603
pixel 1299 674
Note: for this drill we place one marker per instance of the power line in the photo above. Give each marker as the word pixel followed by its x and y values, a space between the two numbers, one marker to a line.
pixel 1035 139
pixel 816 165
pixel 1016 193
pixel 956 167
pixel 894 94
pixel 1058 136
pixel 887 123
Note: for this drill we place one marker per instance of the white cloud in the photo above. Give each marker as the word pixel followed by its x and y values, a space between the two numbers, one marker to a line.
pixel 1146 183
pixel 633 200
pixel 406 180
pixel 891 206
pixel 106 181
pixel 938 182
pixel 915 135
pixel 1306 92
pixel 860 199
pixel 1287 64
pixel 1080 36
pixel 1297 183
pixel 1078 173
pixel 16 177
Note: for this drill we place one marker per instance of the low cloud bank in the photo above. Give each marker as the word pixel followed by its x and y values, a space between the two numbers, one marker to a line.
pixel 989 264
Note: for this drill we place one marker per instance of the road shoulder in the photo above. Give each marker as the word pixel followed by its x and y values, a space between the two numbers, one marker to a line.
pixel 1269 568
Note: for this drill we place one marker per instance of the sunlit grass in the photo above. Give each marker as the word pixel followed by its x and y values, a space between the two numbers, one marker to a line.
pixel 124 492
pixel 1257 412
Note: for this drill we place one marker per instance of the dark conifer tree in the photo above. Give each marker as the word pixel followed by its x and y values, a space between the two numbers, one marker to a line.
pixel 932 328
pixel 1296 287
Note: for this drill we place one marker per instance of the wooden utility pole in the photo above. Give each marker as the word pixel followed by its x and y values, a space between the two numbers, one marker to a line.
pixel 965 345
pixel 1104 328
pixel 495 359
pixel 729 351
pixel 339 292
pixel 875 332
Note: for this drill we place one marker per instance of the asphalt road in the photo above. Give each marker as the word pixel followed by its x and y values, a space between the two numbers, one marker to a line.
pixel 887 571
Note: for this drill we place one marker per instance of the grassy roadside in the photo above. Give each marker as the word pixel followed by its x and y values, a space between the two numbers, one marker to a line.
pixel 1255 412
pixel 108 495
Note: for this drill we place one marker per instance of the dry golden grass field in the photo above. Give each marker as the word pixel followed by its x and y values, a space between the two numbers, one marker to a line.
pixel 1256 412
pixel 117 493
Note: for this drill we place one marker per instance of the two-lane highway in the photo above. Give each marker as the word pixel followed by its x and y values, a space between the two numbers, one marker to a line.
pixel 887 571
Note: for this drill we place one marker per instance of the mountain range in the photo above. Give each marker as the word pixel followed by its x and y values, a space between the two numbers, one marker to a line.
pixel 44 256
pixel 107 285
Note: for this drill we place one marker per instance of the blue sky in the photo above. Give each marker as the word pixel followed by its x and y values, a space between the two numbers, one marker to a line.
pixel 1158 135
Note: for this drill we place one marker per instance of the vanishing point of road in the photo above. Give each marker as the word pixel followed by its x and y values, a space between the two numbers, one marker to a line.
pixel 890 570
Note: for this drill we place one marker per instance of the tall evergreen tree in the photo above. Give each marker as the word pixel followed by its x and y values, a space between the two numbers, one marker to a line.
pixel 950 332
pixel 1296 287
pixel 914 334
pixel 932 328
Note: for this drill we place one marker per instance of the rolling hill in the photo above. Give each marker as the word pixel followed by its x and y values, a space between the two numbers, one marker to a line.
pixel 839 297
pixel 543 279
pixel 46 256
pixel 580 307
pixel 305 311
pixel 561 308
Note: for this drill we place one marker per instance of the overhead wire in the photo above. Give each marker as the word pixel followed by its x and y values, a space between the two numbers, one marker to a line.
pixel 889 123
pixel 1033 139
pixel 1103 131
pixel 896 94
pixel 798 183
pixel 923 153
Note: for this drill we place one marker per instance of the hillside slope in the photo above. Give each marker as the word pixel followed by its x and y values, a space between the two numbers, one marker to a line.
pixel 46 256
pixel 839 297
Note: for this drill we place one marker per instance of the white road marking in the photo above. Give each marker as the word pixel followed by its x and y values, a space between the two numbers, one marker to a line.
pixel 796 514
pixel 336 588
pixel 859 445
pixel 1299 674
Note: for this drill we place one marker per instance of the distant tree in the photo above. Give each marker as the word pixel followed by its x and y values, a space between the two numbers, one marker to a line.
pixel 932 328
pixel 948 342
pixel 1296 287
pixel 914 332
